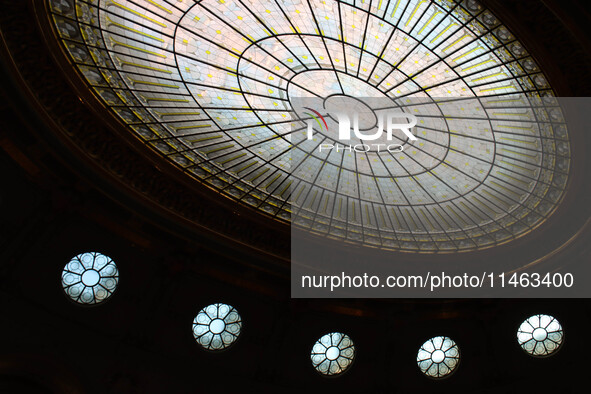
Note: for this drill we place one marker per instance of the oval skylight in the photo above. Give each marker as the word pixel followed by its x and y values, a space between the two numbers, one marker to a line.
pixel 211 86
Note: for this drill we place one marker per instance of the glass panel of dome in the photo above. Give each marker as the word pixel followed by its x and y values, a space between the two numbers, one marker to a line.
pixel 211 86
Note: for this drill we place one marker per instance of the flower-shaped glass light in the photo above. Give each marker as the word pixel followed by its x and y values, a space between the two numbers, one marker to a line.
pixel 217 326
pixel 438 357
pixel 333 353
pixel 540 335
pixel 90 278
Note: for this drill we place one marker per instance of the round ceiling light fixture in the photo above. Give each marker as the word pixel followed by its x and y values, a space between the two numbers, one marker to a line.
pixel 438 357
pixel 217 326
pixel 540 335
pixel 90 278
pixel 333 354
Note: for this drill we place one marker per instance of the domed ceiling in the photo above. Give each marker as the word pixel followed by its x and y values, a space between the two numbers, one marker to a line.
pixel 212 86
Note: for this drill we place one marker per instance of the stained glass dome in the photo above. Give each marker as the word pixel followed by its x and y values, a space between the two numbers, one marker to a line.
pixel 210 85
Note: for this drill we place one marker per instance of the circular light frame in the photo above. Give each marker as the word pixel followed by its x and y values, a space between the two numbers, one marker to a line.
pixel 540 336
pixel 217 327
pixel 333 354
pixel 438 357
pixel 90 278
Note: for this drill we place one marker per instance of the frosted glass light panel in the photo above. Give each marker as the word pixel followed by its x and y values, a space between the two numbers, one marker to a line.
pixel 217 326
pixel 333 353
pixel 438 357
pixel 90 278
pixel 540 335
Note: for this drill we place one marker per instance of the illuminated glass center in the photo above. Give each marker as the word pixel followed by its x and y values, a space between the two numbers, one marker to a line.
pixel 90 277
pixel 539 334
pixel 217 326
pixel 332 353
